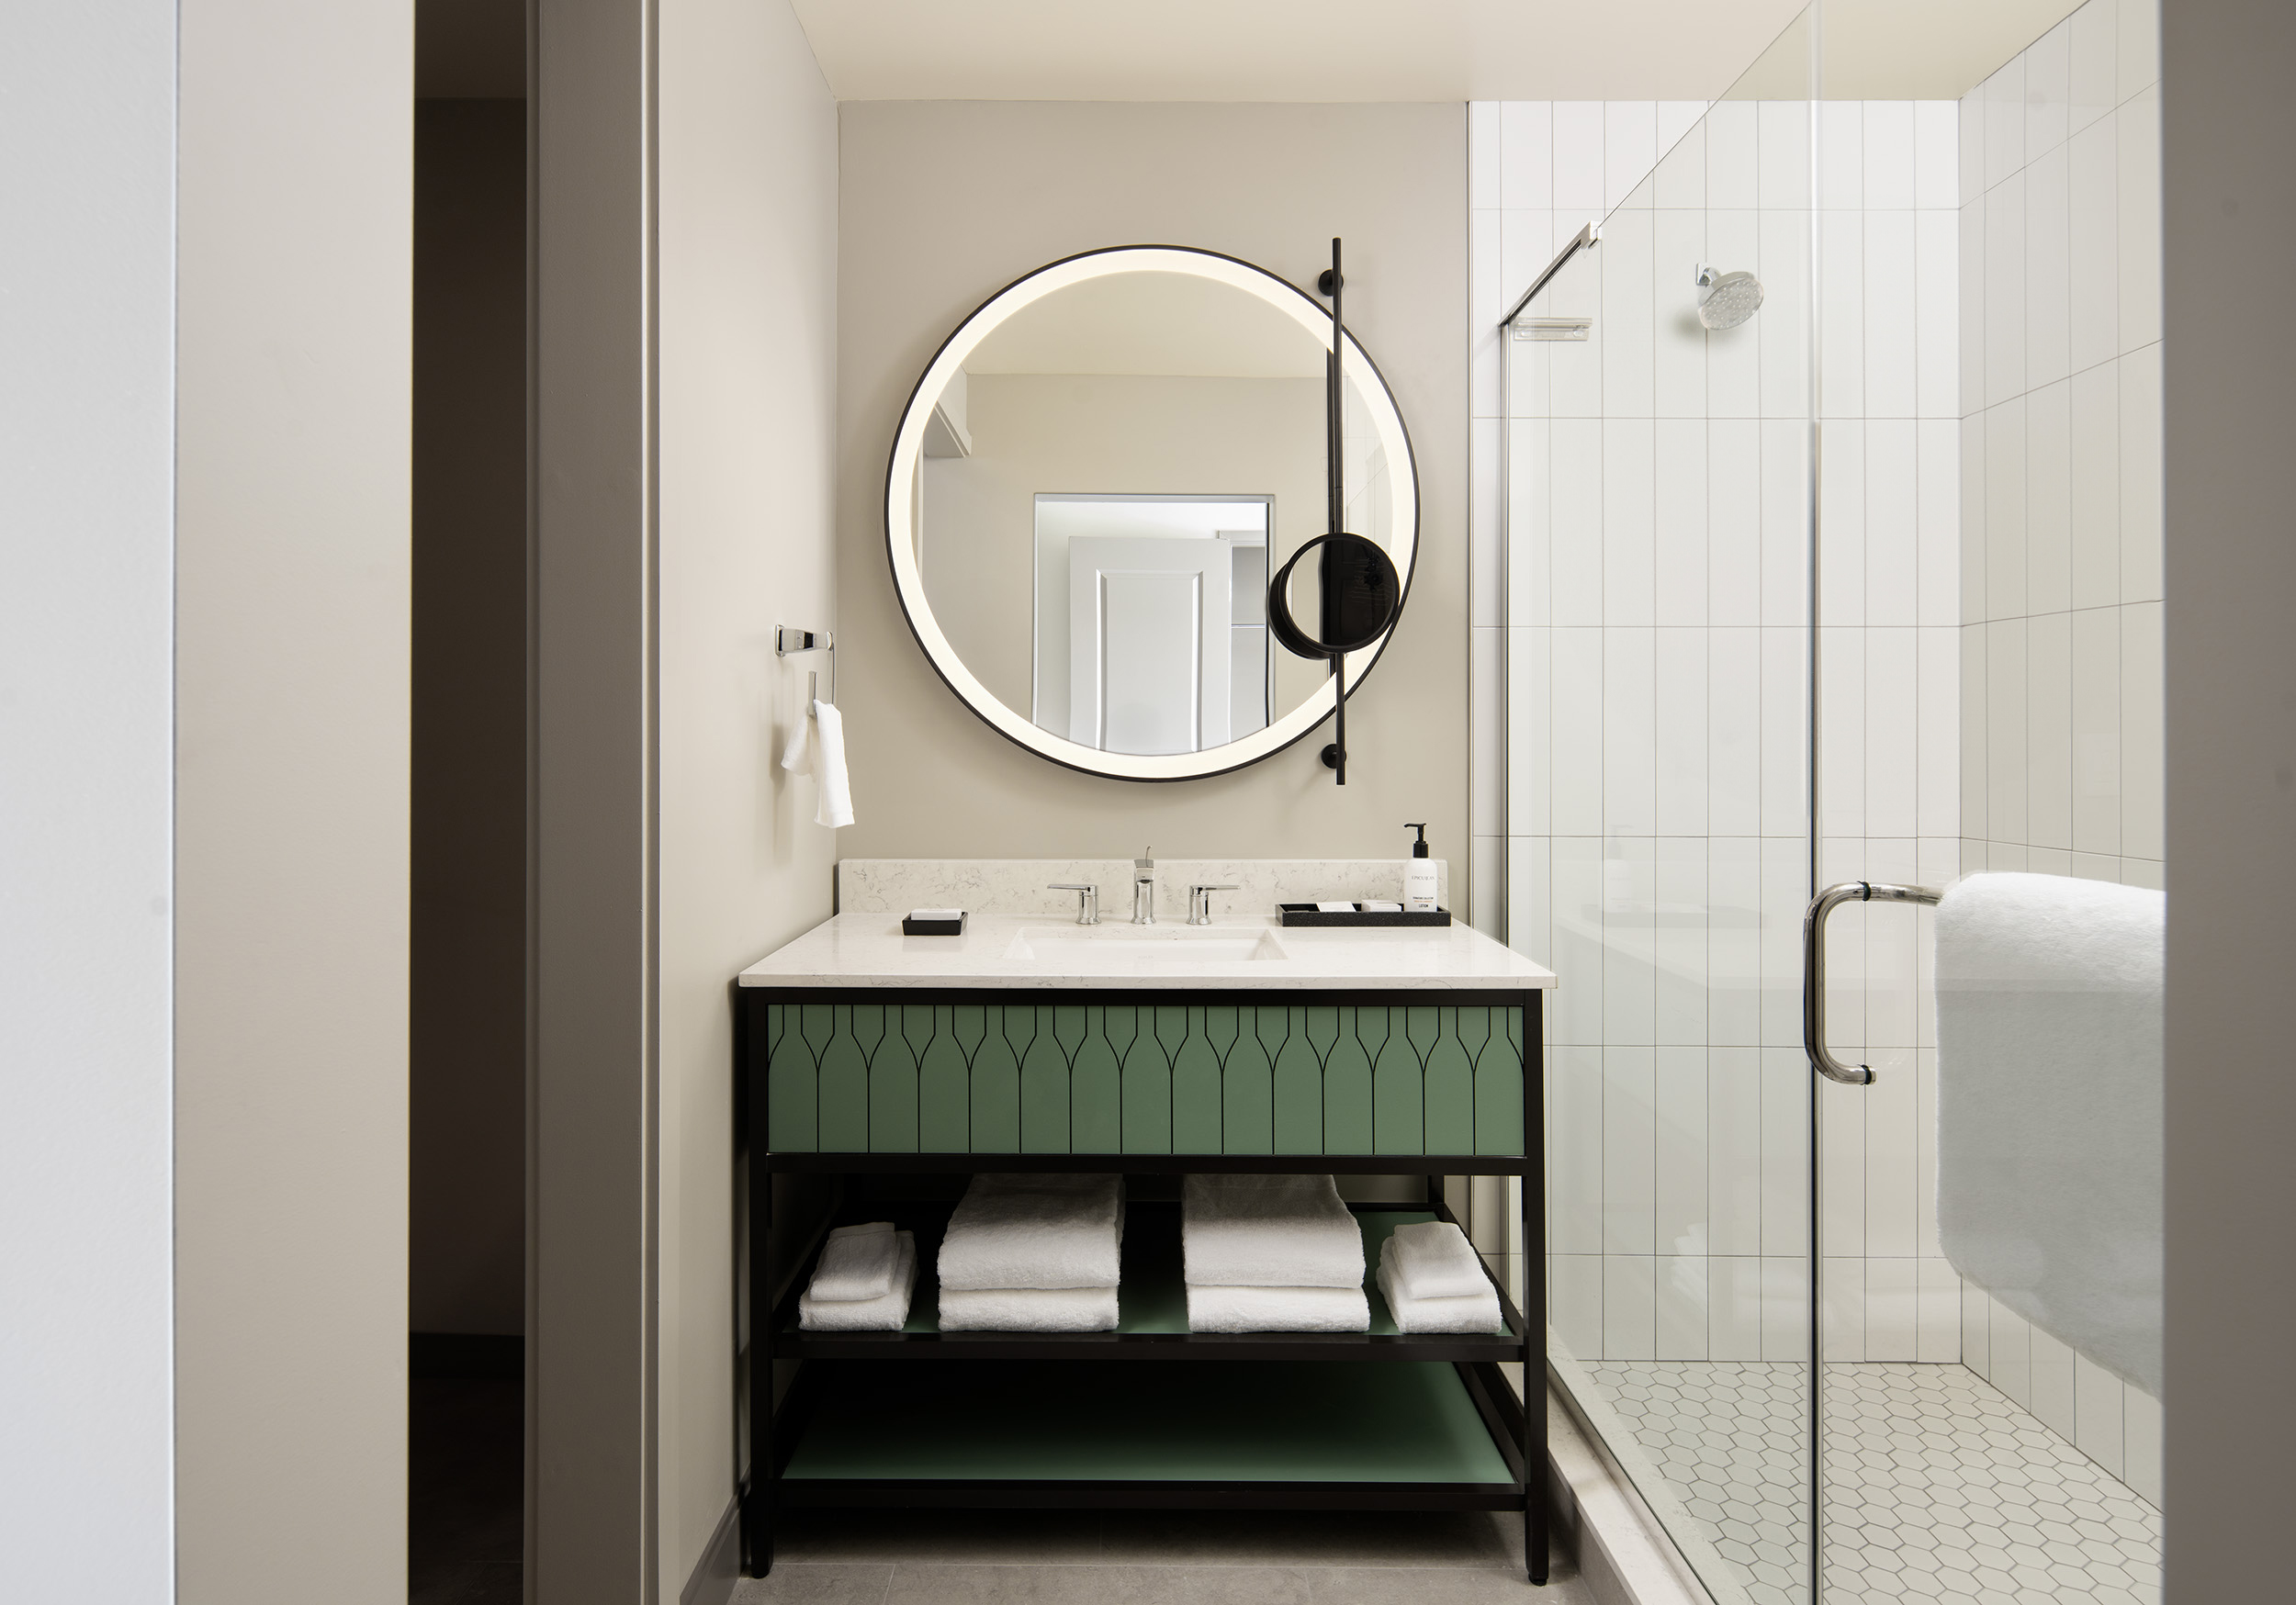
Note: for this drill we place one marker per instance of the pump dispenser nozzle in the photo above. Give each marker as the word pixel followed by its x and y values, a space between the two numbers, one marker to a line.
pixel 1419 848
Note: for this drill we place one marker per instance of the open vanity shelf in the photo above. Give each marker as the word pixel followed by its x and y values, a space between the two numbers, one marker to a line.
pixel 885 1094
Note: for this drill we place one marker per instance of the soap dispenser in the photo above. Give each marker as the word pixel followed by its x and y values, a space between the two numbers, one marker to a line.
pixel 1419 876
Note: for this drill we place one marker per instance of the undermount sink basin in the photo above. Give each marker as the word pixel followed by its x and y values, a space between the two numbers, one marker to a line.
pixel 1143 944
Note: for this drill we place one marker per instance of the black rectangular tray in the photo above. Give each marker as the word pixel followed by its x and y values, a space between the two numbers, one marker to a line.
pixel 933 927
pixel 1307 914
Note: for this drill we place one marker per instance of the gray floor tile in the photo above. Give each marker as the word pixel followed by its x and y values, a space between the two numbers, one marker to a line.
pixel 917 1584
pixel 1426 1538
pixel 1013 1537
pixel 1442 1585
pixel 796 1583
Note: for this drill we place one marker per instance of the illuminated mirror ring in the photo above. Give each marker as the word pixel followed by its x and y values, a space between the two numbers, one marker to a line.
pixel 1378 407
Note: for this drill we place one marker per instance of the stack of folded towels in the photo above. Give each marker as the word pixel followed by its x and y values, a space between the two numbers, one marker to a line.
pixel 1434 1281
pixel 1271 1255
pixel 862 1280
pixel 1029 1253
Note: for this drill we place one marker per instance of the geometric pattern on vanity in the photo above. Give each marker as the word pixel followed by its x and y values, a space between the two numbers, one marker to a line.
pixel 1026 1077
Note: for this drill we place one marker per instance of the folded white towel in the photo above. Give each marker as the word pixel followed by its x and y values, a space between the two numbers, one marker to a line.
pixel 888 1314
pixel 857 1263
pixel 817 747
pixel 1277 1309
pixel 1474 1312
pixel 1433 1258
pixel 1031 1231
pixel 1268 1231
pixel 1027 1309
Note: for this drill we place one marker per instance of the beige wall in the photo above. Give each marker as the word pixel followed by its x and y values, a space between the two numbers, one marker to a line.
pixel 942 203
pixel 295 155
pixel 748 297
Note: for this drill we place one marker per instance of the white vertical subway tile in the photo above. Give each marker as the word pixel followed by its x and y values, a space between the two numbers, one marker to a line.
pixel 1733 1308
pixel 2005 731
pixel 2005 289
pixel 1630 147
pixel 1975 1347
pixel 1734 529
pixel 1629 1151
pixel 1785 1309
pixel 1783 151
pixel 2097 731
pixel 2140 1445
pixel 1629 1310
pixel 1629 883
pixel 1888 154
pixel 1974 492
pixel 1840 155
pixel 1785 522
pixel 2048 283
pixel 1892 557
pixel 1970 158
pixel 1628 315
pixel 2053 1385
pixel 1842 1312
pixel 1891 1144
pixel 2093 424
pixel 1483 157
pixel 2139 204
pixel 1680 1284
pixel 1733 960
pixel 1681 950
pixel 1679 1145
pixel 2048 85
pixel 1486 567
pixel 1841 713
pixel 1937 1331
pixel 2048 500
pixel 1936 757
pixel 1936 125
pixel 1678 121
pixel 1925 1239
pixel 2009 857
pixel 2093 89
pixel 1785 1123
pixel 2041 861
pixel 2139 45
pixel 1628 521
pixel 1574 1298
pixel 1970 360
pixel 1892 1308
pixel 1629 732
pixel 1574 1149
pixel 1733 165
pixel 1733 356
pixel 1842 314
pixel 1486 686
pixel 1892 314
pixel 1976 739
pixel 1678 341
pixel 1529 716
pixel 2011 1345
pixel 1574 539
pixel 1936 314
pixel 2004 120
pixel 1487 883
pixel 1679 572
pixel 2141 731
pixel 2095 866
pixel 1782 331
pixel 2145 872
pixel 1575 918
pixel 1892 734
pixel 1784 732
pixel 2005 492
pixel 1842 523
pixel 2049 730
pixel 1525 247
pixel 1733 710
pixel 1574 368
pixel 2099 1402
pixel 1937 520
pixel 1733 1149
pixel 1528 930
pixel 1575 784
pixel 1578 159
pixel 1525 134
pixel 2141 442
pixel 1785 896
pixel 1680 725
pixel 2093 246
pixel 1680 183
pixel 1485 378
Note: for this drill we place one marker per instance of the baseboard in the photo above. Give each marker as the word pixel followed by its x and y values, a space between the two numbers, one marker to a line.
pixel 435 1355
pixel 720 1568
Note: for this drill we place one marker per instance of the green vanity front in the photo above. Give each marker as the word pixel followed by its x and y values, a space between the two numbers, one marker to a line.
pixel 998 1072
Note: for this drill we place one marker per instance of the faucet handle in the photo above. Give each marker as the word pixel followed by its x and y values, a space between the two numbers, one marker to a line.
pixel 1199 903
pixel 1146 860
pixel 1087 903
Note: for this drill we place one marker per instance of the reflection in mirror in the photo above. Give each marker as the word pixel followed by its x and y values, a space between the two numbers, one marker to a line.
pixel 1104 472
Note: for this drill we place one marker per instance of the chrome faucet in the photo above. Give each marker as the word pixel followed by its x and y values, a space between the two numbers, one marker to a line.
pixel 1199 903
pixel 1087 904
pixel 1144 890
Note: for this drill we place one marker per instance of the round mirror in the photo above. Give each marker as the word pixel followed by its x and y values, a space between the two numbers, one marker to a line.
pixel 1093 485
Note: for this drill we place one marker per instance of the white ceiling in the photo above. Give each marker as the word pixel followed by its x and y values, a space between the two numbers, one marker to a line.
pixel 1392 50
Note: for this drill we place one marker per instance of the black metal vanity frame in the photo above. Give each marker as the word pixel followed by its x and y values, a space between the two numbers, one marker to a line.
pixel 771 1289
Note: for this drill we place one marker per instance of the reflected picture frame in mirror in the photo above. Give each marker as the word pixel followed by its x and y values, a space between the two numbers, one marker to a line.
pixel 923 416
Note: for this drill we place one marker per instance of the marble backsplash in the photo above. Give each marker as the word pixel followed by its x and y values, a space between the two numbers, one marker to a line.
pixel 1018 886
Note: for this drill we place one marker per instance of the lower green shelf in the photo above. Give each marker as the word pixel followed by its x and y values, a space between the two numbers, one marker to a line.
pixel 1074 1420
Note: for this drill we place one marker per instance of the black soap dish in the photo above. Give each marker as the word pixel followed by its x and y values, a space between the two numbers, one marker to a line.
pixel 1307 914
pixel 911 926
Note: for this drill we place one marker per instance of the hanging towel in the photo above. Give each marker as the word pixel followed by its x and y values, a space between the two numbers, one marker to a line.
pixel 1032 1231
pixel 888 1314
pixel 1433 1258
pixel 1268 1231
pixel 857 1263
pixel 816 748
pixel 1472 1312
pixel 1027 1309
pixel 2049 1107
pixel 1277 1309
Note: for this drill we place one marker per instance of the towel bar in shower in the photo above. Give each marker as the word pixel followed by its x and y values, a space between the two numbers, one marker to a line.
pixel 1814 969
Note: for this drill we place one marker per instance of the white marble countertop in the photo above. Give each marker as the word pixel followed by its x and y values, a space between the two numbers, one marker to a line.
pixel 1013 950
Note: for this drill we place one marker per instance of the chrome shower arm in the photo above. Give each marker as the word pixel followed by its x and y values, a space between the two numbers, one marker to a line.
pixel 1814 969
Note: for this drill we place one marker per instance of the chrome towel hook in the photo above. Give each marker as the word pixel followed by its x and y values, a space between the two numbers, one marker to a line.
pixel 789 642
pixel 1814 969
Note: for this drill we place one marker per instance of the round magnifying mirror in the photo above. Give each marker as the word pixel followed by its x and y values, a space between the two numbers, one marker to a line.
pixel 1095 481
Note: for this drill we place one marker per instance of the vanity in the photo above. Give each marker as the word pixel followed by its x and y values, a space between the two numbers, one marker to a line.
pixel 890 1068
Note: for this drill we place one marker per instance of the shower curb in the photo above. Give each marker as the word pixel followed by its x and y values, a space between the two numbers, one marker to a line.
pixel 1622 1552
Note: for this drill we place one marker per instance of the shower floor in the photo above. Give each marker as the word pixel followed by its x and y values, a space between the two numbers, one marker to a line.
pixel 1937 1487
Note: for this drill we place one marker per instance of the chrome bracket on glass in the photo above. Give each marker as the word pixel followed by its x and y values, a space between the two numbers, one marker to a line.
pixel 1814 969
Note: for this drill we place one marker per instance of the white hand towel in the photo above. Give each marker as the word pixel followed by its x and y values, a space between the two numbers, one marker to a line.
pixel 1032 1231
pixel 816 748
pixel 888 1314
pixel 1027 1309
pixel 1433 1258
pixel 1477 1312
pixel 1268 1231
pixel 857 1263
pixel 2049 1062
pixel 1277 1309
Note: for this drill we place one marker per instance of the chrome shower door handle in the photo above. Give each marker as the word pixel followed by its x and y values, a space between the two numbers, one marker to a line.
pixel 1814 969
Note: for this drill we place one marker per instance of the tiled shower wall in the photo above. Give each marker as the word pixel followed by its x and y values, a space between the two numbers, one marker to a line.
pixel 2061 527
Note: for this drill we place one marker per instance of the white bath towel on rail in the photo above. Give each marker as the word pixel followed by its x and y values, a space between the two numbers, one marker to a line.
pixel 1268 1231
pixel 1035 1231
pixel 2049 1106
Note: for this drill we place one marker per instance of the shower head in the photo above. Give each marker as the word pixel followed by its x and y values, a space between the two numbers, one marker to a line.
pixel 1726 300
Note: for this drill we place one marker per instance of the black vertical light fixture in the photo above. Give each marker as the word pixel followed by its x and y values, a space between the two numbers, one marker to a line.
pixel 1360 593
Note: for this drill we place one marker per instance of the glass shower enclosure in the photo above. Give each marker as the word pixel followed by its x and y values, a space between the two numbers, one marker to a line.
pixel 1829 477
